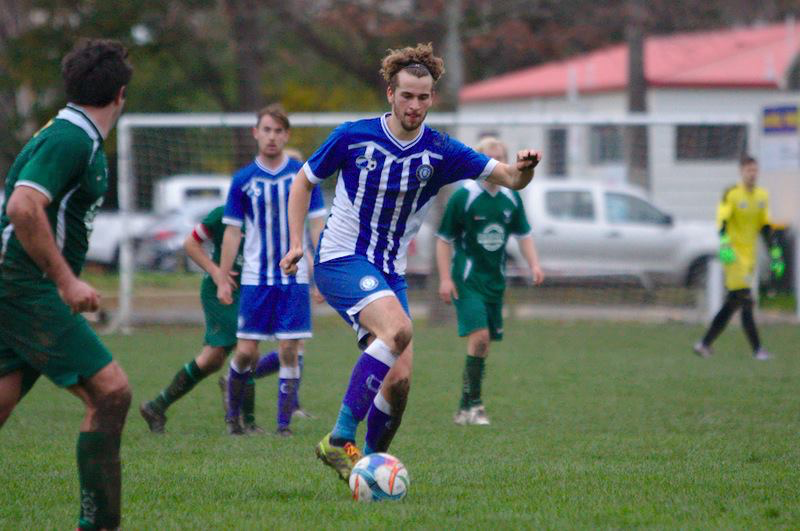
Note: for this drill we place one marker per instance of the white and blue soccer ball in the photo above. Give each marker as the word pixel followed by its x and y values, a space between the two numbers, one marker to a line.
pixel 379 477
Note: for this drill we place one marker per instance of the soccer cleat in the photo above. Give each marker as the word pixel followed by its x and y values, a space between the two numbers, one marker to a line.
pixel 478 417
pixel 251 428
pixel 461 417
pixel 223 386
pixel 234 427
pixel 155 419
pixel 762 354
pixel 704 351
pixel 284 432
pixel 339 458
pixel 301 413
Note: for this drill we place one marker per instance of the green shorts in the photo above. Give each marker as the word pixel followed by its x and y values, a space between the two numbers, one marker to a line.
pixel 221 320
pixel 40 334
pixel 475 313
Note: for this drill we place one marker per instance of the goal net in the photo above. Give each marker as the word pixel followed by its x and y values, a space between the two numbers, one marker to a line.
pixel 622 209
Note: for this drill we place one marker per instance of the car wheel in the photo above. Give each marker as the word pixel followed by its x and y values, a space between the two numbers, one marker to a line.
pixel 698 272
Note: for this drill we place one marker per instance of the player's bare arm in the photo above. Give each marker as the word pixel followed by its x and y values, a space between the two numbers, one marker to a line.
pixel 230 247
pixel 26 210
pixel 194 250
pixel 528 249
pixel 299 199
pixel 444 253
pixel 518 175
pixel 315 226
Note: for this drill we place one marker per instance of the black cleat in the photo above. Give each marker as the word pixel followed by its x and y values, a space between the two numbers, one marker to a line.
pixel 155 419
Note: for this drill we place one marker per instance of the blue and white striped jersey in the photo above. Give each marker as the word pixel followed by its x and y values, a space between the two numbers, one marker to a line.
pixel 385 187
pixel 259 200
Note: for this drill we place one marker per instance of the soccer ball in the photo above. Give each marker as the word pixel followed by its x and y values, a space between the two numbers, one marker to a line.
pixel 379 477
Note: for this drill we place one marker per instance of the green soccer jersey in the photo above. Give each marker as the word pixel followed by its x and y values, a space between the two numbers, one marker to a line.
pixel 478 225
pixel 65 161
pixel 214 231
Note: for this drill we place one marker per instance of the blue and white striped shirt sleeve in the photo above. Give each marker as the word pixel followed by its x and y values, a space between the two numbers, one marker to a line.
pixel 466 163
pixel 316 207
pixel 234 206
pixel 329 157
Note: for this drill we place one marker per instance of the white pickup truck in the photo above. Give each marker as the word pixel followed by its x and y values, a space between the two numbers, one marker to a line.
pixel 586 229
pixel 170 194
pixel 591 228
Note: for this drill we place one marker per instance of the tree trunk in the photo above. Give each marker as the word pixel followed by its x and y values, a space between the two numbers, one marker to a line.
pixel 636 144
pixel 248 38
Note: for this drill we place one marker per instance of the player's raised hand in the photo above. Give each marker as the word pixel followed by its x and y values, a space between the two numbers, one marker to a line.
pixel 447 291
pixel 528 159
pixel 79 296
pixel 289 262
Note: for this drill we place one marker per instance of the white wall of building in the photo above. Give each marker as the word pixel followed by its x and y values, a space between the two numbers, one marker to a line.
pixel 689 190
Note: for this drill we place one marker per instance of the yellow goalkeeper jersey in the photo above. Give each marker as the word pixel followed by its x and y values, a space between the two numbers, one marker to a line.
pixel 744 213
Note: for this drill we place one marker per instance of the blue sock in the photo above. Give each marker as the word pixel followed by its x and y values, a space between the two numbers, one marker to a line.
pixel 267 364
pixel 346 424
pixel 365 381
pixel 287 394
pixel 236 387
pixel 378 420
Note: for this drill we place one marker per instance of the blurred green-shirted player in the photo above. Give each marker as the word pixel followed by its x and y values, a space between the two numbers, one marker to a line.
pixel 478 220
pixel 53 190
pixel 220 334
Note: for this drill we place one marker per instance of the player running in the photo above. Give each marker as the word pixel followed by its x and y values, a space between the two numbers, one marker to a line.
pixel 220 335
pixel 389 168
pixel 273 305
pixel 54 189
pixel 742 214
pixel 477 222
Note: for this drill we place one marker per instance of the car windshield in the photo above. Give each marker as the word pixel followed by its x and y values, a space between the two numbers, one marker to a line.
pixel 624 208
pixel 570 205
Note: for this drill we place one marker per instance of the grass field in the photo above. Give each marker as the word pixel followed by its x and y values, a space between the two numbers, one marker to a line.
pixel 594 425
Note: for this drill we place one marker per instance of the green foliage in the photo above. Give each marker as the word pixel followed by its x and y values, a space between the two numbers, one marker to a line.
pixel 594 425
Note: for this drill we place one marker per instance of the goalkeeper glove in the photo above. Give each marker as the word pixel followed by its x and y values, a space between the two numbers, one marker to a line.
pixel 776 264
pixel 726 254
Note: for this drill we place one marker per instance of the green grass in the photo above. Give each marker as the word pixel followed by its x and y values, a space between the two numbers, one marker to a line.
pixel 594 425
pixel 783 302
pixel 109 282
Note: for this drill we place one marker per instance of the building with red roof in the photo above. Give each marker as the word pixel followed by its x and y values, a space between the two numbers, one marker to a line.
pixel 747 74
pixel 740 58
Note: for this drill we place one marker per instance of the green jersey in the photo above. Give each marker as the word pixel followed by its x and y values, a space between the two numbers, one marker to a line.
pixel 65 161
pixel 478 225
pixel 212 229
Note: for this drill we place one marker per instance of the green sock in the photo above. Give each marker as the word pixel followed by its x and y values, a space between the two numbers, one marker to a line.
pixel 473 376
pixel 249 402
pixel 100 476
pixel 464 403
pixel 183 382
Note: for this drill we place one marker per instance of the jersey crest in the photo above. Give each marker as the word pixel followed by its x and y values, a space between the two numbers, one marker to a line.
pixel 492 237
pixel 424 172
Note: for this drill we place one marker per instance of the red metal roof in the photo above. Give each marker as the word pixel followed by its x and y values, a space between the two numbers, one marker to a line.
pixel 753 57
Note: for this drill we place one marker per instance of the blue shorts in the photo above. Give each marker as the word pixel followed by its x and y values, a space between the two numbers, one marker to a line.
pixel 274 312
pixel 350 283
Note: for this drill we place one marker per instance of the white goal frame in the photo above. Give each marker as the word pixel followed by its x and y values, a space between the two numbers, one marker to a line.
pixel 129 122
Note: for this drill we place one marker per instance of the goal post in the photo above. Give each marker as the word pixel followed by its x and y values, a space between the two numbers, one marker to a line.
pixel 586 146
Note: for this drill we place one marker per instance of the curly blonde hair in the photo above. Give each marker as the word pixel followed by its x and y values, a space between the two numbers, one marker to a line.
pixel 418 61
